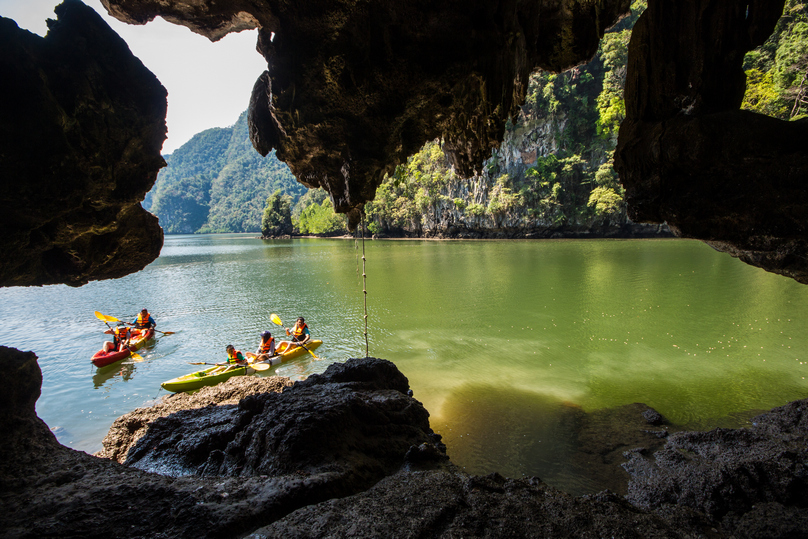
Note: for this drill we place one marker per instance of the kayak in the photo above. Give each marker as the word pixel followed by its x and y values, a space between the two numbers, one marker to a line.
pixel 218 374
pixel 207 377
pixel 102 359
pixel 285 353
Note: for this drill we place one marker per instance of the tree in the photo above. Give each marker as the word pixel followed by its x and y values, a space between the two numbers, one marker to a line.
pixel 321 219
pixel 277 219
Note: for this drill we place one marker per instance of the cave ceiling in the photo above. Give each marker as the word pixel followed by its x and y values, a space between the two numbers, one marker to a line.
pixel 352 88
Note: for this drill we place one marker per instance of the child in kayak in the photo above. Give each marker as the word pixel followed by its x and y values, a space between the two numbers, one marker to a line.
pixel 235 357
pixel 267 347
pixel 120 339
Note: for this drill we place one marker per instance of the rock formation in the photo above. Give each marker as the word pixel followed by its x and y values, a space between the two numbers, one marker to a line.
pixel 687 155
pixel 81 128
pixel 354 88
pixel 350 454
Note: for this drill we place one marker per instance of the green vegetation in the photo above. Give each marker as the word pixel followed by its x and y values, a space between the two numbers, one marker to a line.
pixel 277 219
pixel 777 72
pixel 314 214
pixel 217 182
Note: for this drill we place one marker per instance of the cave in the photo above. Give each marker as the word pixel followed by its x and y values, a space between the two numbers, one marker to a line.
pixel 351 90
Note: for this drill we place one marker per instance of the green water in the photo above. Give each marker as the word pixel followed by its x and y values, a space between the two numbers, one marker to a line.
pixel 496 337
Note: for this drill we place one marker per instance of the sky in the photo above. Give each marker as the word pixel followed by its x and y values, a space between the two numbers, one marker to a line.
pixel 209 84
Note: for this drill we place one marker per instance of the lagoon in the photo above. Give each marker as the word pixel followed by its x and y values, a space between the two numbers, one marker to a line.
pixel 495 337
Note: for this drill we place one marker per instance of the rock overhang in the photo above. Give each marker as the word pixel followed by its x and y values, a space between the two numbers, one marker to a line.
pixel 352 88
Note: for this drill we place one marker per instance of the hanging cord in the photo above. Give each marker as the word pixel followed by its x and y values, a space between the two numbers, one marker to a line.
pixel 365 285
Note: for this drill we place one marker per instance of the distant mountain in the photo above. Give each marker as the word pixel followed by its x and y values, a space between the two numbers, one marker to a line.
pixel 217 182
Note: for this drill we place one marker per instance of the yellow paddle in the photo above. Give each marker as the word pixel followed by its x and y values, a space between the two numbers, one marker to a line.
pixel 277 320
pixel 107 318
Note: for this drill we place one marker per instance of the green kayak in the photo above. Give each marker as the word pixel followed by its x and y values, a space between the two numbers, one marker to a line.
pixel 208 377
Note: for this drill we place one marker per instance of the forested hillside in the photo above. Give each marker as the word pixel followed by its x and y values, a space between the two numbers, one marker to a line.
pixel 217 182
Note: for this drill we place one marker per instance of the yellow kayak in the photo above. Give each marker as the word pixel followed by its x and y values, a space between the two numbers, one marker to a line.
pixel 286 351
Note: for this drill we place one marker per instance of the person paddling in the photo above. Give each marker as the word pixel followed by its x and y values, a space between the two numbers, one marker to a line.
pixel 144 321
pixel 267 347
pixel 120 339
pixel 300 331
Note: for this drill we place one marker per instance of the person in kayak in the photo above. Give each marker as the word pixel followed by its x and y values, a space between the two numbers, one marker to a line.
pixel 144 321
pixel 235 357
pixel 120 339
pixel 267 347
pixel 300 331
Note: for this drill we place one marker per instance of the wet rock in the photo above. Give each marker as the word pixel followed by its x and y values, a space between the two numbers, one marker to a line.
pixel 81 129
pixel 730 471
pixel 653 417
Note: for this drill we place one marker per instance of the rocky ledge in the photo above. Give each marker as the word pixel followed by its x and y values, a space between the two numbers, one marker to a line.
pixel 351 453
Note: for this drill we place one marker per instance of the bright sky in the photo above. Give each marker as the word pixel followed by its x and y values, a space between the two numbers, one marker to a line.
pixel 208 84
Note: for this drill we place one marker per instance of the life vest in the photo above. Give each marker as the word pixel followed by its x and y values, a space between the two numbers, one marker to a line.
pixel 142 322
pixel 234 358
pixel 119 336
pixel 266 346
pixel 299 331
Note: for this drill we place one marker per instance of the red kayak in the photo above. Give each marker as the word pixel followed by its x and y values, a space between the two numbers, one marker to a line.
pixel 102 359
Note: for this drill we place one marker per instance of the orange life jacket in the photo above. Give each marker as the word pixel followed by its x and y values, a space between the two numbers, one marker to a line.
pixel 236 357
pixel 142 322
pixel 299 331
pixel 266 346
pixel 119 336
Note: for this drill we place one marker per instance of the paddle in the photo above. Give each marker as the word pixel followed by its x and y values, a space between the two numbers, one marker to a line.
pixel 277 320
pixel 106 318
pixel 254 366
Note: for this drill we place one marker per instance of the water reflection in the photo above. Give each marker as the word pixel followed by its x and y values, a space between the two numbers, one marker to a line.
pixel 125 370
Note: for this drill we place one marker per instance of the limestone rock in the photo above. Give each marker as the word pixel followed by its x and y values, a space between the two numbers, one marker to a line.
pixel 354 88
pixel 688 156
pixel 726 473
pixel 81 128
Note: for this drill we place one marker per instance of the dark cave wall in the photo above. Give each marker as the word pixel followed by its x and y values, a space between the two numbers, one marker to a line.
pixel 81 129
pixel 687 155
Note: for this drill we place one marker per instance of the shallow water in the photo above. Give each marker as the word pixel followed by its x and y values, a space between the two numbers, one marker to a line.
pixel 497 338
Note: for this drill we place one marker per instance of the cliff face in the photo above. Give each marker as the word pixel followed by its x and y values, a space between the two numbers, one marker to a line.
pixel 507 199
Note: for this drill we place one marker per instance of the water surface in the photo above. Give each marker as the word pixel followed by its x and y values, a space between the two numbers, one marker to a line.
pixel 497 338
